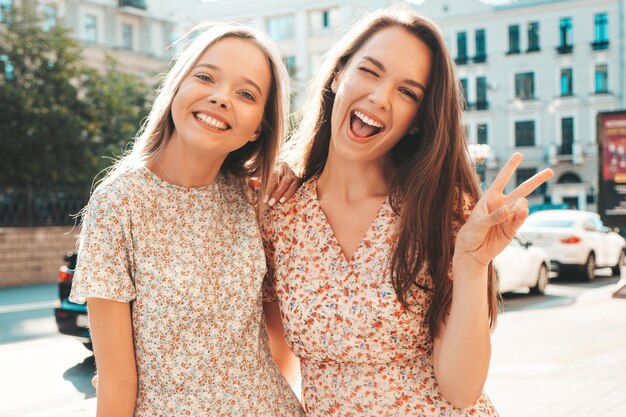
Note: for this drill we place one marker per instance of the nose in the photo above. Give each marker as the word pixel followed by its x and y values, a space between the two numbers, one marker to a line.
pixel 219 99
pixel 380 96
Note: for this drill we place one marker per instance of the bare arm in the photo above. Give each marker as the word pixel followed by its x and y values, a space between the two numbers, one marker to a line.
pixel 283 356
pixel 112 334
pixel 463 349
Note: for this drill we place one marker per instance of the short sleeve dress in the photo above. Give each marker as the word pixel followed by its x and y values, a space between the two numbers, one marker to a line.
pixel 361 352
pixel 191 263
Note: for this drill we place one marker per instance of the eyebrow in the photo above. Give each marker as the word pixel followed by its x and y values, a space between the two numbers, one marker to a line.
pixel 381 67
pixel 245 79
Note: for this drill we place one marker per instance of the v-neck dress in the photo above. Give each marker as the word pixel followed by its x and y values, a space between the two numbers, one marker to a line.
pixel 190 261
pixel 361 352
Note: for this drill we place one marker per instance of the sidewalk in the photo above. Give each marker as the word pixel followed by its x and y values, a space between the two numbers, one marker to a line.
pixel 566 361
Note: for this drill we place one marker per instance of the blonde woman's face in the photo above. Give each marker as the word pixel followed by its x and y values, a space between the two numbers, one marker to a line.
pixel 219 105
pixel 378 94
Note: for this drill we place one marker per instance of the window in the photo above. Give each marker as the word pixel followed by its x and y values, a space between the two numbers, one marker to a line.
pixel 481 48
pixel 49 17
pixel 567 135
pixel 481 133
pixel 91 28
pixel 525 85
pixel 525 133
pixel 514 39
pixel 533 37
pixel 601 23
pixel 602 79
pixel 567 87
pixel 461 48
pixel 139 4
pixel 281 27
pixel 524 174
pixel 464 89
pixel 5 5
pixel 6 68
pixel 321 22
pixel 481 93
pixel 127 36
pixel 565 36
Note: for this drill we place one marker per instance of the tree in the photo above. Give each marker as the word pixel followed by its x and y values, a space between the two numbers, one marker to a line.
pixel 57 116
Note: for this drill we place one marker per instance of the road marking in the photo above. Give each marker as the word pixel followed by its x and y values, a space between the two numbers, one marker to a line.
pixel 15 308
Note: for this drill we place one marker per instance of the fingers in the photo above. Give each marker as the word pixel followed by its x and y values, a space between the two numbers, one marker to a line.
pixel 506 173
pixel 280 192
pixel 517 213
pixel 531 184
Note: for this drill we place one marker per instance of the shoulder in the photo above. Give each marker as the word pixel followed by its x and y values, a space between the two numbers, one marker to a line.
pixel 115 191
pixel 282 215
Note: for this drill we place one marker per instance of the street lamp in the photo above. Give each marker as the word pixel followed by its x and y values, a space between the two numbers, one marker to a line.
pixel 479 152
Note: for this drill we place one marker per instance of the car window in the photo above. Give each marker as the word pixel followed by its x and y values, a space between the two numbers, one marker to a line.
pixel 539 222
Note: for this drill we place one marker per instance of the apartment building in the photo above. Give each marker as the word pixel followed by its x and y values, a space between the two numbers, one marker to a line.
pixel 127 30
pixel 535 73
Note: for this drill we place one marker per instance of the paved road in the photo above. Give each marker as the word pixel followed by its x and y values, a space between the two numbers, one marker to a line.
pixel 560 355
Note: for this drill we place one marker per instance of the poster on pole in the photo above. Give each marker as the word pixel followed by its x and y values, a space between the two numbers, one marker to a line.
pixel 611 131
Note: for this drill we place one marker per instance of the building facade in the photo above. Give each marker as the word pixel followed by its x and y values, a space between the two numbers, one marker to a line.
pixel 535 74
pixel 127 30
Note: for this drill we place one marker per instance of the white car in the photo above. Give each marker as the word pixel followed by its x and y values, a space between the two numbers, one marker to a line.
pixel 522 265
pixel 575 240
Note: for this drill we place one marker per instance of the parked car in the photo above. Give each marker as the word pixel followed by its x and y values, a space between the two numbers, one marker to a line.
pixel 522 265
pixel 71 318
pixel 575 240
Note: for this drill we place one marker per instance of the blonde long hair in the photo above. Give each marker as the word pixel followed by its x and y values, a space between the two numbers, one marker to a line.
pixel 433 167
pixel 253 159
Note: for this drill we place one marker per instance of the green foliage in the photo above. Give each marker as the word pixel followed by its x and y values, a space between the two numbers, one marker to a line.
pixel 57 116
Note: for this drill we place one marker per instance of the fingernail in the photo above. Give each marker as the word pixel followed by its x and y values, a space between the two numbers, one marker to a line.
pixel 282 200
pixel 265 199
pixel 271 202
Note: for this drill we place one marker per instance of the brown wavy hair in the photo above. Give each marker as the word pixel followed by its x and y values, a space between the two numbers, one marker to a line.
pixel 433 166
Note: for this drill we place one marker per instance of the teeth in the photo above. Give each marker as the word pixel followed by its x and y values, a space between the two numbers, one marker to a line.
pixel 207 120
pixel 367 120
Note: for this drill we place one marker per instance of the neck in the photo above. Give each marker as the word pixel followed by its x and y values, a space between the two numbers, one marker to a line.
pixel 186 167
pixel 351 181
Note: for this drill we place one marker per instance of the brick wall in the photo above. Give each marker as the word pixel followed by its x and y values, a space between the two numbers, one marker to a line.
pixel 32 255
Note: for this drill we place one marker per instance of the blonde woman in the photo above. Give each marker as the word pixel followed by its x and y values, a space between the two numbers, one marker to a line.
pixel 171 261
pixel 381 262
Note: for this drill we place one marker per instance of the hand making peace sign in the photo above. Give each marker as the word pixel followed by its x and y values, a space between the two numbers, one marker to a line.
pixel 496 217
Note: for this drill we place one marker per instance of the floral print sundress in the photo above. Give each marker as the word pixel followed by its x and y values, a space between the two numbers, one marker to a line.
pixel 361 352
pixel 191 263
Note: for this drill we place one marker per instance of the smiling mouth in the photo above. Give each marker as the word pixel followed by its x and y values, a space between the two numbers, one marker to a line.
pixel 363 126
pixel 211 122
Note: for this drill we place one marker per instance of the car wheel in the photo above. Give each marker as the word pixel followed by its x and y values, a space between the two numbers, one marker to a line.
pixel 620 262
pixel 542 281
pixel 588 271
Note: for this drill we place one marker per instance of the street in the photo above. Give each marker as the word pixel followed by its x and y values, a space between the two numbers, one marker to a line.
pixel 558 355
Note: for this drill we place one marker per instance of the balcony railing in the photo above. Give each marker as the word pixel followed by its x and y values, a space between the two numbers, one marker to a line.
pixel 566 149
pixel 565 49
pixel 600 45
pixel 480 59
pixel 479 105
pixel 138 4
pixel 461 60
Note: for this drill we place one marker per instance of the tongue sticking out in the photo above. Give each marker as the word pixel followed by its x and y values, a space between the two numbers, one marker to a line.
pixel 362 129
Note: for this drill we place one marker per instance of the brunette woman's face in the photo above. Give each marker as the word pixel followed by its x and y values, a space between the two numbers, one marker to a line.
pixel 219 105
pixel 378 94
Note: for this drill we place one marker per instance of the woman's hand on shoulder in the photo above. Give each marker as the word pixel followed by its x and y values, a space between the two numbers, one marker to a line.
pixel 497 216
pixel 283 185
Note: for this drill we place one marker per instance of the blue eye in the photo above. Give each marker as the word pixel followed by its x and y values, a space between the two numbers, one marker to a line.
pixel 246 94
pixel 204 77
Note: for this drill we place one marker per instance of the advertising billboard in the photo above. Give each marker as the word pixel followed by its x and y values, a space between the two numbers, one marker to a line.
pixel 611 133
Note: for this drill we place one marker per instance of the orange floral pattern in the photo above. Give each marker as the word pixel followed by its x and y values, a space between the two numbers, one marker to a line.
pixel 361 352
pixel 190 261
